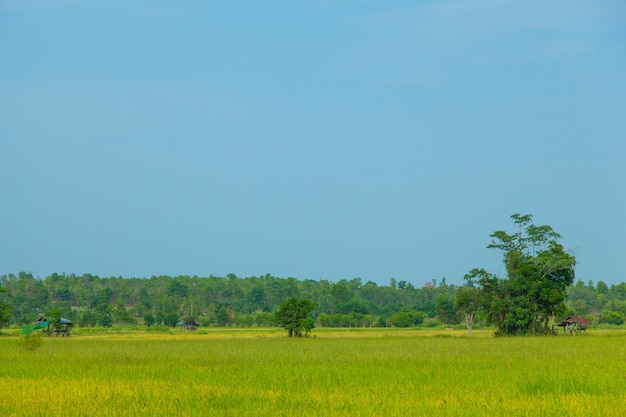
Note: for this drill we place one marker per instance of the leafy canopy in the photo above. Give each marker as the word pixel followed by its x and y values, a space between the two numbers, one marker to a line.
pixel 293 316
pixel 538 274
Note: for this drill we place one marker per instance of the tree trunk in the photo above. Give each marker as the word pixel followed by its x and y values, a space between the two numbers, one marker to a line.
pixel 469 319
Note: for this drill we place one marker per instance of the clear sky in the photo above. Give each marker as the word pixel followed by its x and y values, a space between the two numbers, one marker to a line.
pixel 324 139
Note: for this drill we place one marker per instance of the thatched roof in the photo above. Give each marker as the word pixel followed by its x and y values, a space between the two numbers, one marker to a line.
pixel 575 319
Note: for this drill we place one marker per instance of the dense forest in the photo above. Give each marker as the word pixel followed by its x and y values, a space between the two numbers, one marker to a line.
pixel 89 300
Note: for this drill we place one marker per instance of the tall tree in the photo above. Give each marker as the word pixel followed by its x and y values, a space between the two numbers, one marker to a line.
pixel 538 274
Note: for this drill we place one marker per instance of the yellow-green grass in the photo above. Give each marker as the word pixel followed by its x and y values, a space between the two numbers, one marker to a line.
pixel 338 373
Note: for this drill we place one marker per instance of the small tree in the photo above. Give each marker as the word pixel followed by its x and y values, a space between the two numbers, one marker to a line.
pixel 293 316
pixel 445 308
pixel 468 302
pixel 103 315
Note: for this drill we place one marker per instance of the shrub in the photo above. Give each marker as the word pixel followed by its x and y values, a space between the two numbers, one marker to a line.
pixel 611 317
pixel 32 341
pixel 407 319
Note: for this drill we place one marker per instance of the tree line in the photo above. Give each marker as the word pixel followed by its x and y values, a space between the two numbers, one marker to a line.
pixel 221 301
pixel 89 300
pixel 538 285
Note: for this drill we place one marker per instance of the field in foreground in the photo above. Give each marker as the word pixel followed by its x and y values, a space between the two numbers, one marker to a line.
pixel 258 373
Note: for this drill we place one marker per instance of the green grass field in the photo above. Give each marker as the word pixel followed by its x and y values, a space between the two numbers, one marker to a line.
pixel 337 373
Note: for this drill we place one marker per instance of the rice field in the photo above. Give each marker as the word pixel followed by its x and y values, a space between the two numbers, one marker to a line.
pixel 337 373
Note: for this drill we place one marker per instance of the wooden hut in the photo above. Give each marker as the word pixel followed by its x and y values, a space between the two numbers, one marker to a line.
pixel 65 328
pixel 62 328
pixel 575 323
pixel 188 325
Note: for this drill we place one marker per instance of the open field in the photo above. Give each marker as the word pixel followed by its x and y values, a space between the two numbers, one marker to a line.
pixel 339 373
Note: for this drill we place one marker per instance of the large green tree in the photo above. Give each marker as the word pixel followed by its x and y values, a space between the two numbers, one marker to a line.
pixel 293 316
pixel 538 271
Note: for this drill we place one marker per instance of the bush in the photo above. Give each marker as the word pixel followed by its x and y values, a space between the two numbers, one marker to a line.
pixel 32 341
pixel 407 318
pixel 149 320
pixel 611 317
pixel 171 319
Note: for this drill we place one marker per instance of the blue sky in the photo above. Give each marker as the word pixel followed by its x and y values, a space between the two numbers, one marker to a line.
pixel 319 140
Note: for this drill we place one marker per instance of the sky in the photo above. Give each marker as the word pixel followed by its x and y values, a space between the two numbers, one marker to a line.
pixel 328 139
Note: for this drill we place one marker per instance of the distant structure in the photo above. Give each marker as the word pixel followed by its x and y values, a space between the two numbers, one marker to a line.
pixel 575 323
pixel 188 325
pixel 48 327
pixel 65 329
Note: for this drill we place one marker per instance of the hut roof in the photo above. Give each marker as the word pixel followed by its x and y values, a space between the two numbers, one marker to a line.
pixel 63 320
pixel 575 319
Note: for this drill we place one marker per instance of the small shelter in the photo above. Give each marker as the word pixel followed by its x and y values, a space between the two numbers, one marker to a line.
pixel 62 328
pixel 188 325
pixel 575 323
pixel 66 327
